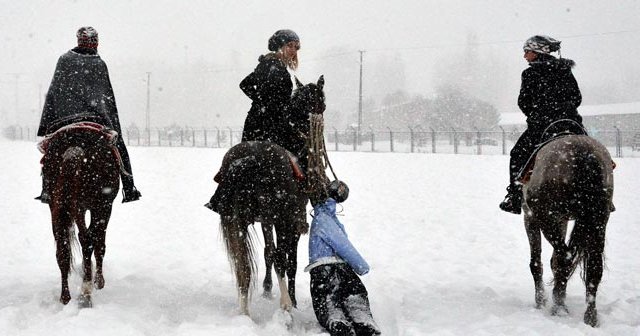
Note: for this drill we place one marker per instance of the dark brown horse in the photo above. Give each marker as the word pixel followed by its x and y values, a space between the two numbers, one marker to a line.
pixel 572 180
pixel 84 173
pixel 265 190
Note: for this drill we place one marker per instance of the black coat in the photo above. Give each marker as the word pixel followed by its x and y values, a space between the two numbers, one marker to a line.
pixel 80 91
pixel 549 92
pixel 269 86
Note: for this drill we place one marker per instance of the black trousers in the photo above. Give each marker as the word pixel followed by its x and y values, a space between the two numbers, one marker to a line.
pixel 522 150
pixel 127 180
pixel 338 295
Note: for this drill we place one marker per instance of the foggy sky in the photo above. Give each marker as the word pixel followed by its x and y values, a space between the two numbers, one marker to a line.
pixel 198 51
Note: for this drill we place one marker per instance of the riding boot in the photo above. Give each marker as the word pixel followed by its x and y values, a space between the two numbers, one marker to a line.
pixel 129 191
pixel 220 202
pixel 44 194
pixel 513 201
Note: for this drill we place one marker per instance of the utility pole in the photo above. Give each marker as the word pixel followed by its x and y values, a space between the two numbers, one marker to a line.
pixel 147 119
pixel 360 100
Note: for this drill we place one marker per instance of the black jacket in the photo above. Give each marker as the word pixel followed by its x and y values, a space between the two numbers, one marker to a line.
pixel 549 92
pixel 269 86
pixel 80 91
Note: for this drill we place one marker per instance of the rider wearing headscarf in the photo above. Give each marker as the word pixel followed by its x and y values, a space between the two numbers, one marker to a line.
pixel 81 91
pixel 548 93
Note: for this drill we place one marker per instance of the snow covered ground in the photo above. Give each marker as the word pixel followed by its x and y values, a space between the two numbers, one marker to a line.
pixel 445 260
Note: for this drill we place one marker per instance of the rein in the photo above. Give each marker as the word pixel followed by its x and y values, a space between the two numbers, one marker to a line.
pixel 318 160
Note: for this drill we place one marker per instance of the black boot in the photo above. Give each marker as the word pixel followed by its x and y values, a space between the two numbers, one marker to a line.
pixel 220 202
pixel 130 195
pixel 513 201
pixel 44 197
pixel 129 190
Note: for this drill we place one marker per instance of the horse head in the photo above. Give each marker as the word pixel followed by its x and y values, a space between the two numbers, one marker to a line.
pixel 308 99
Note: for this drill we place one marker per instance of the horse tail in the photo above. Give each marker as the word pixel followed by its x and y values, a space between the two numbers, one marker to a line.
pixel 593 202
pixel 241 252
pixel 71 162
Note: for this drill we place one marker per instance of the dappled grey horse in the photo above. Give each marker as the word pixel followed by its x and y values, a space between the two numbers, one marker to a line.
pixel 572 179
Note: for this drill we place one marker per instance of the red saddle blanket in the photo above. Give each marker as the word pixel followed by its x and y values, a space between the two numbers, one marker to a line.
pixel 110 135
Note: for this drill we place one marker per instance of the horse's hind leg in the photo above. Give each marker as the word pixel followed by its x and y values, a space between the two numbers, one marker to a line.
pixel 593 264
pixel 535 263
pixel 240 253
pixel 99 221
pixel 561 264
pixel 86 243
pixel 61 222
pixel 269 249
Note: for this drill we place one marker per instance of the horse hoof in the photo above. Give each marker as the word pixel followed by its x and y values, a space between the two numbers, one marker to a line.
pixel 84 301
pixel 99 282
pixel 64 299
pixel 541 304
pixel 559 310
pixel 591 317
pixel 541 300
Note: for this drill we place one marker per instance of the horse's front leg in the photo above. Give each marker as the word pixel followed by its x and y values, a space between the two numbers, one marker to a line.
pixel 269 248
pixel 280 264
pixel 86 243
pixel 292 268
pixel 535 262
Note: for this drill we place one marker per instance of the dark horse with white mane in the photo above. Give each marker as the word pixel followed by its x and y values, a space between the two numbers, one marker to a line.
pixel 265 189
pixel 83 166
pixel 572 179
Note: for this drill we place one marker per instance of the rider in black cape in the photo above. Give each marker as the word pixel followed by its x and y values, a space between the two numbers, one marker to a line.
pixel 81 91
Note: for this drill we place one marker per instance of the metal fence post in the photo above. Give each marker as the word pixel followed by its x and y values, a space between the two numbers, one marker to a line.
pixel 373 140
pixel 390 139
pixel 205 137
pixel 355 139
pixel 411 138
pixel 433 140
pixel 504 141
pixel 479 142
pixel 455 141
pixel 335 131
pixel 618 142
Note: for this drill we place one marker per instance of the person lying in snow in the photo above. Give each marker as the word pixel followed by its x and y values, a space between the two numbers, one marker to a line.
pixel 340 299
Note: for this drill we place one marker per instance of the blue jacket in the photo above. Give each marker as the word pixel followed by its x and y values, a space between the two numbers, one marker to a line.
pixel 328 241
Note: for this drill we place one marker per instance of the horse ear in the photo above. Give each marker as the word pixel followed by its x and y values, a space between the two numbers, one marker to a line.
pixel 298 83
pixel 321 82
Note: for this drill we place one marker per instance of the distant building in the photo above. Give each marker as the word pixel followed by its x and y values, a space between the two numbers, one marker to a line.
pixel 625 116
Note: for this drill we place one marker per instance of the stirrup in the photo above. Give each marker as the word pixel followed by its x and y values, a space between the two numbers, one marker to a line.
pixel 509 205
pixel 131 195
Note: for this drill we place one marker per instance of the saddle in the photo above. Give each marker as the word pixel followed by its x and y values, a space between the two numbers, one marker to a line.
pixel 84 126
pixel 298 174
pixel 557 129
